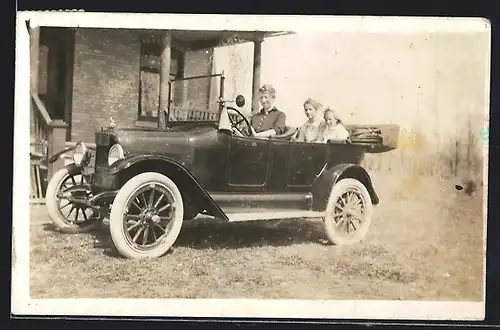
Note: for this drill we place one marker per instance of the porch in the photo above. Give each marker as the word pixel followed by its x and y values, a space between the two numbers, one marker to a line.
pixel 61 99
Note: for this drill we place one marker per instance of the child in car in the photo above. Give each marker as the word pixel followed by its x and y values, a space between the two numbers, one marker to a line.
pixel 332 128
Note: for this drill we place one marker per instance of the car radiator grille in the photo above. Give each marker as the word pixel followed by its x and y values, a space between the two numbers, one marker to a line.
pixel 101 156
pixel 103 144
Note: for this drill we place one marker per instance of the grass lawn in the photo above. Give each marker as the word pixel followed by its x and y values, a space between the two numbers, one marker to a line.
pixel 425 243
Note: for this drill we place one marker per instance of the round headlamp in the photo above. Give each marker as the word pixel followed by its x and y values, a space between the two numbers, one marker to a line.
pixel 80 153
pixel 115 153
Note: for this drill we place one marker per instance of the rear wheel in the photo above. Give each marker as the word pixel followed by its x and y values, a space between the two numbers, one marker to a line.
pixel 348 212
pixel 146 217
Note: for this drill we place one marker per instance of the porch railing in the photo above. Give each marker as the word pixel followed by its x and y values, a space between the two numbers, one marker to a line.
pixel 40 121
pixel 182 107
pixel 179 113
pixel 47 136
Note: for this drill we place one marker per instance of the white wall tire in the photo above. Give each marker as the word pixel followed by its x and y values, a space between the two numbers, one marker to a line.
pixel 348 212
pixel 66 216
pixel 146 216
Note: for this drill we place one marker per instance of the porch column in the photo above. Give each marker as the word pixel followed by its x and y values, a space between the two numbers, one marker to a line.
pixel 166 41
pixel 257 49
pixel 34 57
pixel 184 85
pixel 34 34
pixel 56 142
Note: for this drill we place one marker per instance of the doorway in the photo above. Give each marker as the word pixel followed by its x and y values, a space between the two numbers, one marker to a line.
pixel 56 72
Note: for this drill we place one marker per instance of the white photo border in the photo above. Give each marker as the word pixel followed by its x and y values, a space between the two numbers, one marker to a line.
pixel 211 308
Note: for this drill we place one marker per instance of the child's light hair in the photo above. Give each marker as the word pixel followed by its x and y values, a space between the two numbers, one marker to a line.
pixel 329 110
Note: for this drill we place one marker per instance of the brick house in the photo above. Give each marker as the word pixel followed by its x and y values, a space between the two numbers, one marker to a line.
pixel 80 77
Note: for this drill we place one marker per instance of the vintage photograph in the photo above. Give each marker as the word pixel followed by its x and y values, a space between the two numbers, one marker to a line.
pixel 268 160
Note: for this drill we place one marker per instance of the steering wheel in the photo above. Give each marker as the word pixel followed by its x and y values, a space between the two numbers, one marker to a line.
pixel 246 131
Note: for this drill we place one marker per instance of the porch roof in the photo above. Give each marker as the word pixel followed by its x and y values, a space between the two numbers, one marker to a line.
pixel 194 39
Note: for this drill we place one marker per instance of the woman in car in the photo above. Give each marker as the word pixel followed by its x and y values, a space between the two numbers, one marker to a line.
pixel 269 121
pixel 332 128
pixel 310 130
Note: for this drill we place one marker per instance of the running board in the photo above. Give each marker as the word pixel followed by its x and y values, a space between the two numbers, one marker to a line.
pixel 287 201
pixel 259 216
pixel 271 214
pixel 258 197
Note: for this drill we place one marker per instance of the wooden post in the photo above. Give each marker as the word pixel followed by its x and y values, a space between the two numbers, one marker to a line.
pixel 257 52
pixel 209 80
pixel 34 60
pixel 68 90
pixel 34 57
pixel 56 142
pixel 166 41
pixel 184 83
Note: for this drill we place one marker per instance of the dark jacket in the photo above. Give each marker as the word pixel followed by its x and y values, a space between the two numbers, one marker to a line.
pixel 274 119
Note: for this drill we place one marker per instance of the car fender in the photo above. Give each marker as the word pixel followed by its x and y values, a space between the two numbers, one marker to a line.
pixel 73 169
pixel 58 155
pixel 331 174
pixel 131 165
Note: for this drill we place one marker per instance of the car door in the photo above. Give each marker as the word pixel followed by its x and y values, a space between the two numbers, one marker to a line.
pixel 249 162
pixel 305 161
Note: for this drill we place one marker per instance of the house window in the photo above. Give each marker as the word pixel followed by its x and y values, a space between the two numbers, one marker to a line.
pixel 149 88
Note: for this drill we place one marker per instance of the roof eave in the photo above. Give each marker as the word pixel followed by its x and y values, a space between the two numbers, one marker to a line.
pixel 243 37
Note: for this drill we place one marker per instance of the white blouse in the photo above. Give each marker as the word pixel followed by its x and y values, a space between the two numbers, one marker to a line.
pixel 336 133
pixel 309 132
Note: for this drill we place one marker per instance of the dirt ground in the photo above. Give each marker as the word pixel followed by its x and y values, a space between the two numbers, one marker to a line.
pixel 425 243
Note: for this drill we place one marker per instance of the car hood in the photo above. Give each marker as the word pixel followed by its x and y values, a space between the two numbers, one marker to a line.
pixel 174 142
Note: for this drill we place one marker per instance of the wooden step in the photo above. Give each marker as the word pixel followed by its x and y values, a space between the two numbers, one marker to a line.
pixel 37 200
pixel 35 154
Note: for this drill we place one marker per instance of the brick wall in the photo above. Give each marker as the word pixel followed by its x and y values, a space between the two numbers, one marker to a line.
pixel 197 64
pixel 106 80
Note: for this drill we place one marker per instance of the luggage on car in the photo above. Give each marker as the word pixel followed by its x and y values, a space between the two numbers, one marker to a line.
pixel 378 138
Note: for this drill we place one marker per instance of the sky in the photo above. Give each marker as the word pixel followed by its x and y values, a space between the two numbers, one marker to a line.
pixel 430 81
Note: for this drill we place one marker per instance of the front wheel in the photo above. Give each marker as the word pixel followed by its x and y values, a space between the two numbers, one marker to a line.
pixel 65 200
pixel 348 212
pixel 146 216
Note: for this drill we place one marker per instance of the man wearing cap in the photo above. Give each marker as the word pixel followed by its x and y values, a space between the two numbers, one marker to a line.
pixel 269 121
